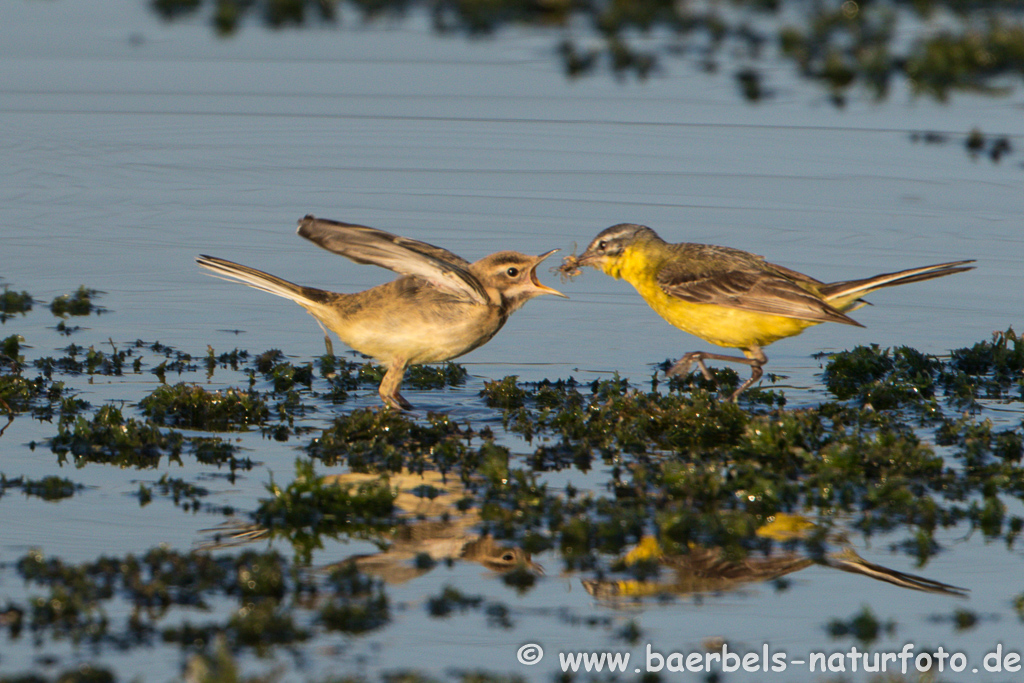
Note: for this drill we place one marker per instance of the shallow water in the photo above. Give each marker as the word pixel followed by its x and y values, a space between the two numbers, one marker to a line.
pixel 131 146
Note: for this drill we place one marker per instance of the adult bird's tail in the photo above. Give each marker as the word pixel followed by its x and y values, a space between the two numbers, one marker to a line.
pixel 846 295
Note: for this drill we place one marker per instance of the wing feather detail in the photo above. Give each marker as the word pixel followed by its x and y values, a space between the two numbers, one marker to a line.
pixel 439 267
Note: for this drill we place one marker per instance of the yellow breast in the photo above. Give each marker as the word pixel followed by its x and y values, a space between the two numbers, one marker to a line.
pixel 721 325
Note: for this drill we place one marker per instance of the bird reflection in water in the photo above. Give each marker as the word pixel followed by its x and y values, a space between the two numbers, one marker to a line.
pixel 704 570
pixel 437 531
pixel 435 528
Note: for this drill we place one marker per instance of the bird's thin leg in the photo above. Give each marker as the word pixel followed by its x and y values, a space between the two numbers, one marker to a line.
pixel 10 416
pixel 755 360
pixel 327 337
pixel 390 384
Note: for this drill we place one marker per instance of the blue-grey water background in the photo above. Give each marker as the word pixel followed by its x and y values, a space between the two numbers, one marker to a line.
pixel 130 146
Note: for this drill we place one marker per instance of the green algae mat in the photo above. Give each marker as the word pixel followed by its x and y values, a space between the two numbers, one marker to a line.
pixel 675 497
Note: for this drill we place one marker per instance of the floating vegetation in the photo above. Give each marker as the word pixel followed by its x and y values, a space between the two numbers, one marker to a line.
pixel 286 376
pixel 864 627
pixel 10 352
pixel 18 392
pixel 193 407
pixel 505 393
pixel 49 488
pixel 356 603
pixel 176 361
pixel 994 148
pixel 841 45
pixel 79 303
pixel 423 377
pixel 450 600
pixel 154 584
pixel 184 494
pixel 884 379
pixel 311 507
pixel 905 449
pixel 711 473
pixel 386 440
pixel 90 361
pixel 905 377
pixel 232 359
pixel 111 438
pixel 12 303
pixel 217 451
pixel 426 377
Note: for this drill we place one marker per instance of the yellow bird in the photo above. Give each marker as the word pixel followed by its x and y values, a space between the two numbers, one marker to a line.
pixel 441 308
pixel 729 297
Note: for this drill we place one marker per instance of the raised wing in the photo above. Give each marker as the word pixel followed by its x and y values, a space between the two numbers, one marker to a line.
pixel 743 281
pixel 440 267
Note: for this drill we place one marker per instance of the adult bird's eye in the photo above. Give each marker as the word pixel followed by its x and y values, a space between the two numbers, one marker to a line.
pixel 512 272
pixel 602 245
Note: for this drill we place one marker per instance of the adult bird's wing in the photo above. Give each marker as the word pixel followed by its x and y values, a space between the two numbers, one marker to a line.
pixel 734 279
pixel 440 267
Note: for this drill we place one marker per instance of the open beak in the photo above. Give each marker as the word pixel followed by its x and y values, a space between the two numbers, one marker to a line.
pixel 537 283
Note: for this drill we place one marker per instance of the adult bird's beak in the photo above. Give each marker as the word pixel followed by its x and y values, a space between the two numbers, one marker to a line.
pixel 544 289
pixel 587 258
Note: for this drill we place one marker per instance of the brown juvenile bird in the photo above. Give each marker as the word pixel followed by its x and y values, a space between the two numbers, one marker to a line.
pixel 730 297
pixel 441 308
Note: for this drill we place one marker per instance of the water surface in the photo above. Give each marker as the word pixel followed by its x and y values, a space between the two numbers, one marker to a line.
pixel 131 146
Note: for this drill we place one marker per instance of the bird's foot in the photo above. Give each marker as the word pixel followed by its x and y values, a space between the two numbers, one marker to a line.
pixel 683 365
pixel 736 394
pixel 681 368
pixel 396 401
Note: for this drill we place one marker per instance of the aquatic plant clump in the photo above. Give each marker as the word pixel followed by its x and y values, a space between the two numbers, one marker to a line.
pixel 712 473
pixel 163 581
pixel 883 378
pixel 48 488
pixel 426 377
pixel 905 377
pixel 13 303
pixel 18 393
pixel 386 440
pixel 356 604
pixel 311 507
pixel 79 303
pixel 111 438
pixel 193 407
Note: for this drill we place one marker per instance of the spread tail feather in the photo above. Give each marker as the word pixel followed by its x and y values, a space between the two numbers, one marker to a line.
pixel 841 294
pixel 236 272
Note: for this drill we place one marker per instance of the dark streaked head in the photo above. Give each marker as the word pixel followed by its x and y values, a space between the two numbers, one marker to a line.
pixel 614 240
pixel 606 251
pixel 510 278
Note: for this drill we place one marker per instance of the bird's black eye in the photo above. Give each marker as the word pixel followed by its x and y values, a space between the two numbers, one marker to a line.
pixel 602 245
pixel 512 272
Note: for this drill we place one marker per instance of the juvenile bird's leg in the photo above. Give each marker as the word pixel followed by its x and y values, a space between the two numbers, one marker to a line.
pixel 755 358
pixel 327 337
pixel 389 386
